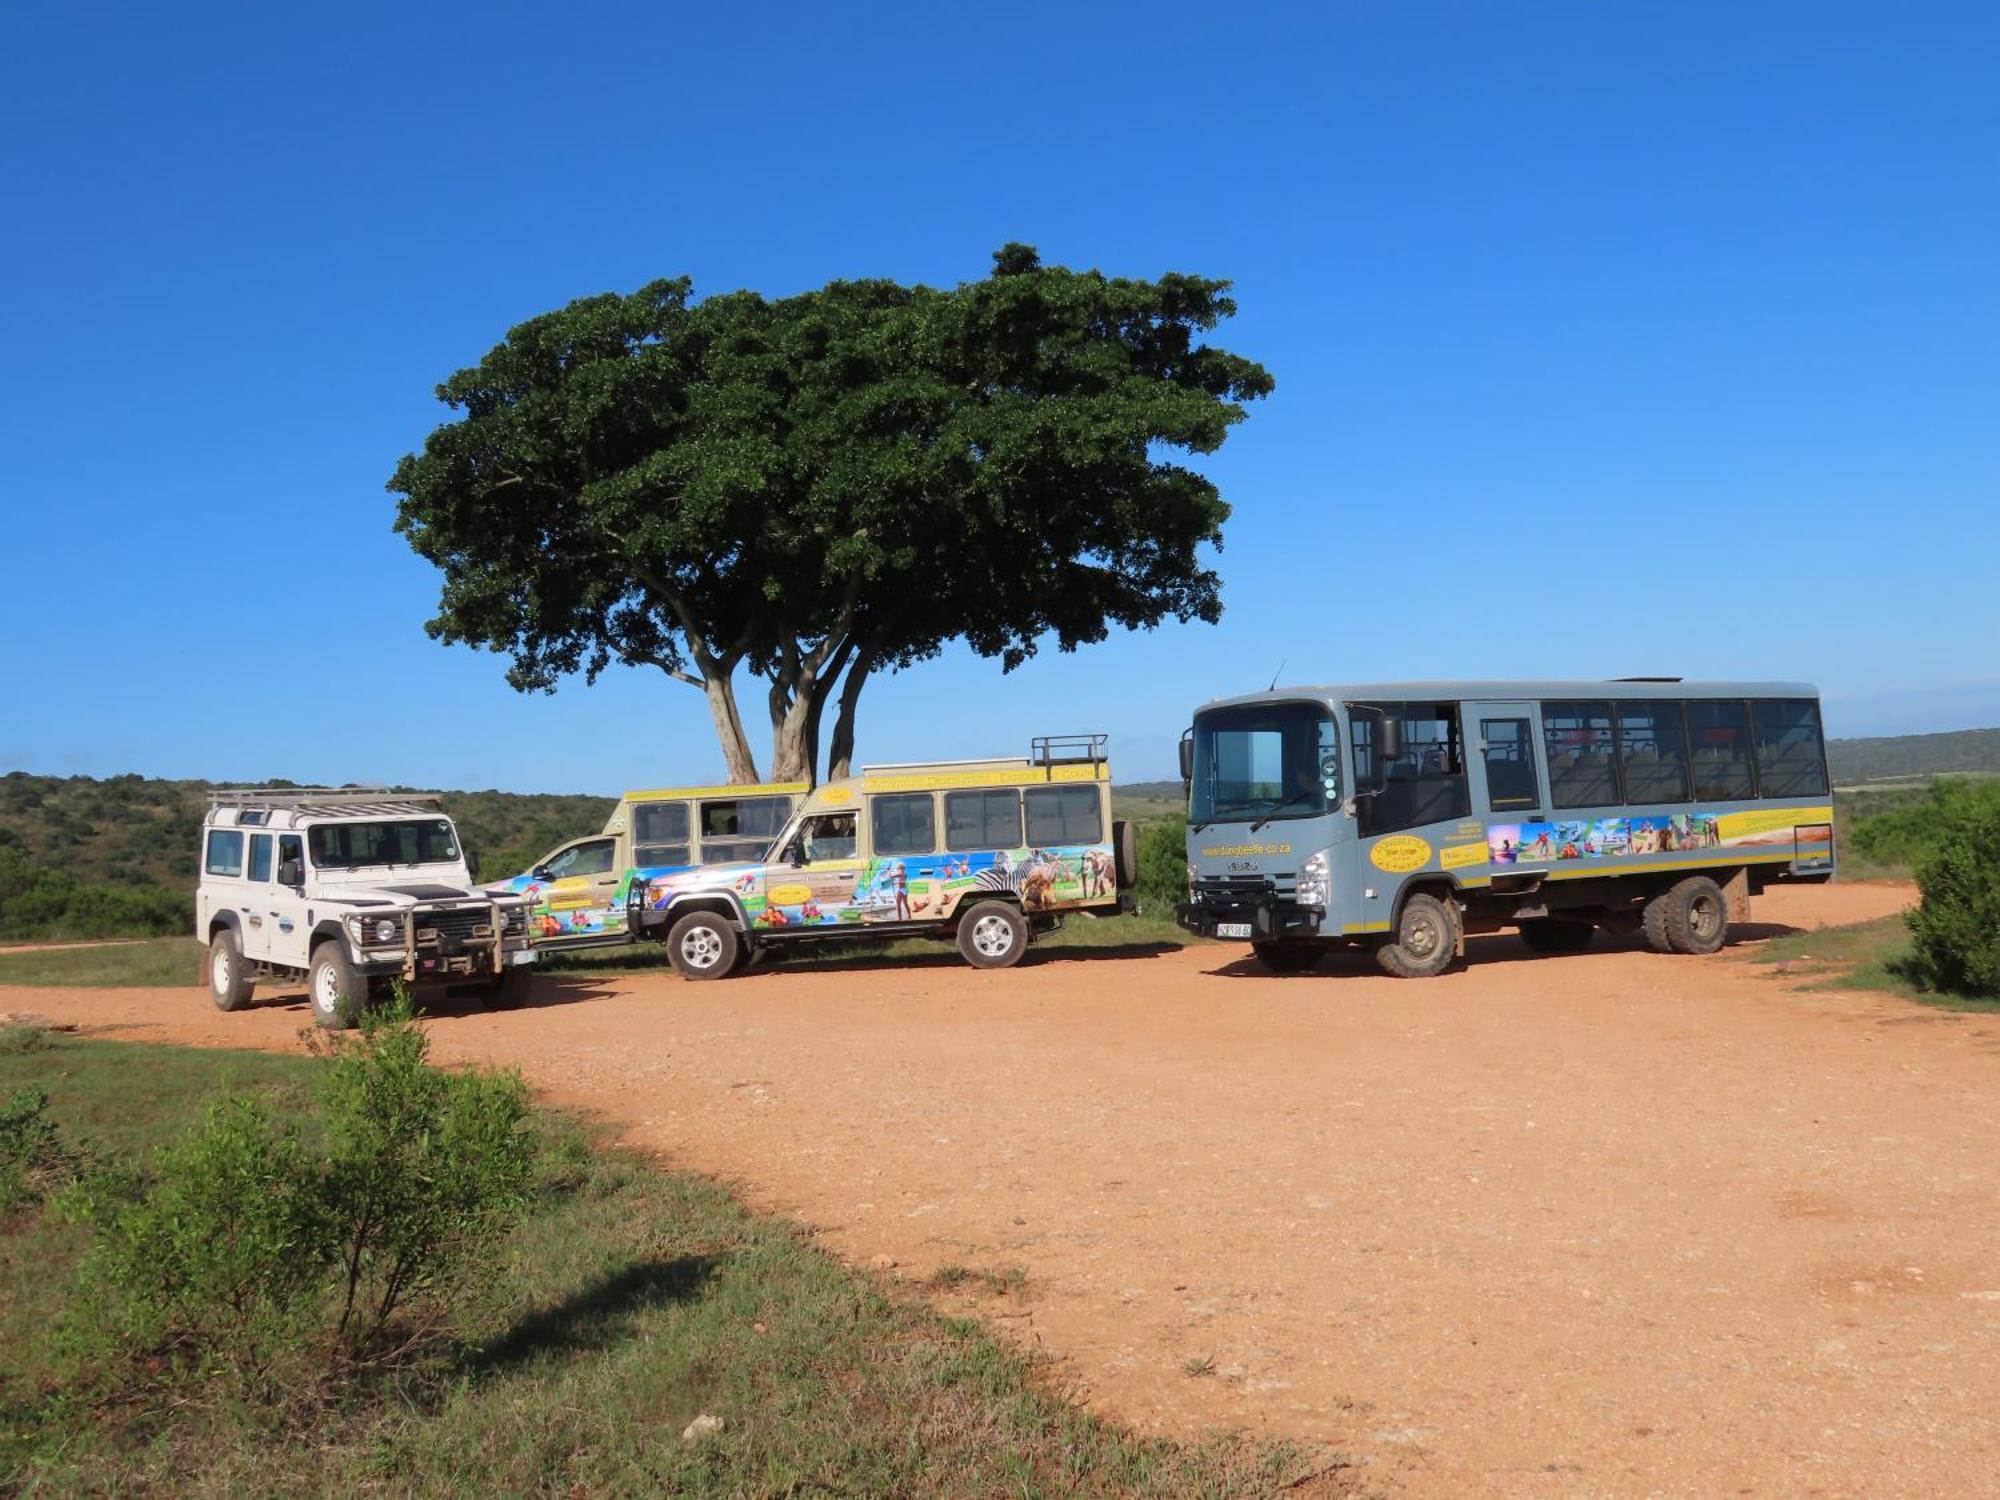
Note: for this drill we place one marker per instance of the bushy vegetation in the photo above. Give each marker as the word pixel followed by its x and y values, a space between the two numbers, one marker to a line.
pixel 615 1305
pixel 1956 926
pixel 34 1158
pixel 1902 829
pixel 1163 864
pixel 38 900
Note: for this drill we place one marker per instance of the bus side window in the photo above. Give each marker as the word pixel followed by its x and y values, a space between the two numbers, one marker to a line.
pixel 982 820
pixel 1791 760
pixel 1583 772
pixel 1652 752
pixel 1719 736
pixel 1510 765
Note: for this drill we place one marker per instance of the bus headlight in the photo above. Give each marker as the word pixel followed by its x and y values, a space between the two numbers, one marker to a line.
pixel 1311 889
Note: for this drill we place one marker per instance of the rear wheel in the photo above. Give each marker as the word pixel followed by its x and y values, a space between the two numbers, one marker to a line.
pixel 1426 939
pixel 1288 957
pixel 704 945
pixel 228 976
pixel 1692 917
pixel 1547 935
pixel 993 935
pixel 338 993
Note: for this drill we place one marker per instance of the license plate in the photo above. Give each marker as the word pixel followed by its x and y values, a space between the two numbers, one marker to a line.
pixel 1232 929
pixel 522 956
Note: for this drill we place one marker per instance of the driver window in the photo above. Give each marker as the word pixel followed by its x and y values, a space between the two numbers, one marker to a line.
pixel 593 858
pixel 827 836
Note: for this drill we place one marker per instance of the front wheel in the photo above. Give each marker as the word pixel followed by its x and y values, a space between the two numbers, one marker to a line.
pixel 1288 957
pixel 228 976
pixel 993 935
pixel 704 945
pixel 338 993
pixel 1426 939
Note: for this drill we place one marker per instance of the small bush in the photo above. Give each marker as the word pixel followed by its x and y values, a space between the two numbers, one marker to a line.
pixel 1956 927
pixel 15 1040
pixel 34 1162
pixel 1163 864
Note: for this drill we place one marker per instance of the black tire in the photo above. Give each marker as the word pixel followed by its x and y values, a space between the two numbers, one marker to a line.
pixel 704 945
pixel 1294 957
pixel 1425 942
pixel 992 935
pixel 1125 854
pixel 509 990
pixel 229 982
pixel 1653 922
pixel 337 993
pixel 1694 915
pixel 1547 935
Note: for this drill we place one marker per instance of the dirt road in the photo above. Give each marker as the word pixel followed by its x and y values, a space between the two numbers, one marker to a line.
pixel 1613 1224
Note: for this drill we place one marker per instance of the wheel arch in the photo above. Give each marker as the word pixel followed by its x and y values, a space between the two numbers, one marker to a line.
pixel 228 920
pixel 1432 883
pixel 715 901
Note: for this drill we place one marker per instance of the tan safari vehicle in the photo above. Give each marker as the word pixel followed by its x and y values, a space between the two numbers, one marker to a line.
pixel 576 893
pixel 352 889
pixel 985 853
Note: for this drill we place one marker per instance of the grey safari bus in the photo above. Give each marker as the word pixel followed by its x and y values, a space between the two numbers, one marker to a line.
pixel 1402 816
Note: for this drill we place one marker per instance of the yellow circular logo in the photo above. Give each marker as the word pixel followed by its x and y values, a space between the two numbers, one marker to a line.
pixel 788 895
pixel 1400 853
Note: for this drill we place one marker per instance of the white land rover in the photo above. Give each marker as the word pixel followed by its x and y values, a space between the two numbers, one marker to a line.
pixel 354 889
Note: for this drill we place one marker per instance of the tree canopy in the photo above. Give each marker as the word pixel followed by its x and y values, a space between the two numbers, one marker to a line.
pixel 820 487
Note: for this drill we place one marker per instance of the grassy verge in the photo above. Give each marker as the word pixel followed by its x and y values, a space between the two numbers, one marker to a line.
pixel 629 1302
pixel 159 961
pixel 1861 956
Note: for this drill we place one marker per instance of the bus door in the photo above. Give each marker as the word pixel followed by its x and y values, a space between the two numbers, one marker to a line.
pixel 1509 784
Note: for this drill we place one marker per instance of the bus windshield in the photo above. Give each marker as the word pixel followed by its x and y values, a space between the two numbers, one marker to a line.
pixel 1262 761
pixel 413 841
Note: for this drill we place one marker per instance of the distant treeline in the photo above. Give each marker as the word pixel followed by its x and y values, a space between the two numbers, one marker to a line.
pixel 1963 750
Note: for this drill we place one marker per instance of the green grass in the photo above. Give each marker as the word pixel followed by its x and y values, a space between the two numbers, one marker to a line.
pixel 157 961
pixel 628 1302
pixel 1860 956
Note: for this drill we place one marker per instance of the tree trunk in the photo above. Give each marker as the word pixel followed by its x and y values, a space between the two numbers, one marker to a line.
pixel 840 754
pixel 720 691
pixel 791 725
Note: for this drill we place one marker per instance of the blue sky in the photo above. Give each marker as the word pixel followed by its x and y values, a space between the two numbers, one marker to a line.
pixel 1608 339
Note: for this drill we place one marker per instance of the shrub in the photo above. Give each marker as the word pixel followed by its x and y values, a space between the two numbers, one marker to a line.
pixel 1911 826
pixel 1163 864
pixel 1957 924
pixel 33 1159
pixel 423 1169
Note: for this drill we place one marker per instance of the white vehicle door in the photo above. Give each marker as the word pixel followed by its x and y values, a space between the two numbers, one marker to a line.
pixel 285 901
pixel 223 887
pixel 260 921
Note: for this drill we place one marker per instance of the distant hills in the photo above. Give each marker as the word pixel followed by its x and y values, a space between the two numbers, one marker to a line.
pixel 1899 757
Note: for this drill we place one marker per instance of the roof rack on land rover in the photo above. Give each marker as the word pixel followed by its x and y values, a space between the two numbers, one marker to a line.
pixel 345 800
pixel 1068 749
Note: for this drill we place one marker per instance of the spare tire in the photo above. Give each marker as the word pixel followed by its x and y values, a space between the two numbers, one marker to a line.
pixel 1125 852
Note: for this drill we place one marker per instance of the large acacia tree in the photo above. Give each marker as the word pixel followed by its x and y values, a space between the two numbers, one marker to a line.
pixel 821 487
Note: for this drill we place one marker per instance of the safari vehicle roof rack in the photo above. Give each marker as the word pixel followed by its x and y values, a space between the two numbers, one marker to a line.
pixel 331 801
pixel 1048 750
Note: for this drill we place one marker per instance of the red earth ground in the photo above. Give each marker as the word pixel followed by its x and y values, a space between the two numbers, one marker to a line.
pixel 1610 1224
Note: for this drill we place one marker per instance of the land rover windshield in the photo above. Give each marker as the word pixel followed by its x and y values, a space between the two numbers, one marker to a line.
pixel 401 841
pixel 1263 761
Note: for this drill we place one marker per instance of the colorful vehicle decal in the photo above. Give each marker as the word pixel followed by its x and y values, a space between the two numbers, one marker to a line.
pixel 571 907
pixel 898 888
pixel 1799 832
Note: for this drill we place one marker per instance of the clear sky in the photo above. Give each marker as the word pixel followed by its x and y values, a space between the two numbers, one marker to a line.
pixel 1609 339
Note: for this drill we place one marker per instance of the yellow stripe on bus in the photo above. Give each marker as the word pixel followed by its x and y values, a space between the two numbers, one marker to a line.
pixel 759 789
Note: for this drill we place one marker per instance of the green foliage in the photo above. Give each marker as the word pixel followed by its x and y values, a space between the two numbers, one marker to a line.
pixel 1908 828
pixel 1163 864
pixel 1956 927
pixel 218 1255
pixel 260 1237
pixel 829 483
pixel 41 901
pixel 1904 755
pixel 422 1168
pixel 34 1161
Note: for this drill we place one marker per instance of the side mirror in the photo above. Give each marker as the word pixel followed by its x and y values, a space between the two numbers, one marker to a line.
pixel 542 872
pixel 1187 755
pixel 472 862
pixel 292 873
pixel 1390 740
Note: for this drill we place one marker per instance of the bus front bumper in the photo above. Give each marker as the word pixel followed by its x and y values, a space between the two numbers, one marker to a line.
pixel 1260 920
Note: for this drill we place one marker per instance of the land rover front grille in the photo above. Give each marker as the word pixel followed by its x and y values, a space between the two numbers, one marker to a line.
pixel 452 930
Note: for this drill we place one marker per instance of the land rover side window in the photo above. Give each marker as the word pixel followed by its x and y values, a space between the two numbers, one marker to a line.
pixel 1063 815
pixel 593 858
pixel 1508 746
pixel 1652 752
pixel 827 836
pixel 660 834
pixel 1264 760
pixel 905 823
pixel 413 841
pixel 1719 738
pixel 982 820
pixel 225 852
pixel 741 827
pixel 260 856
pixel 1583 770
pixel 1426 783
pixel 1791 761
pixel 291 851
